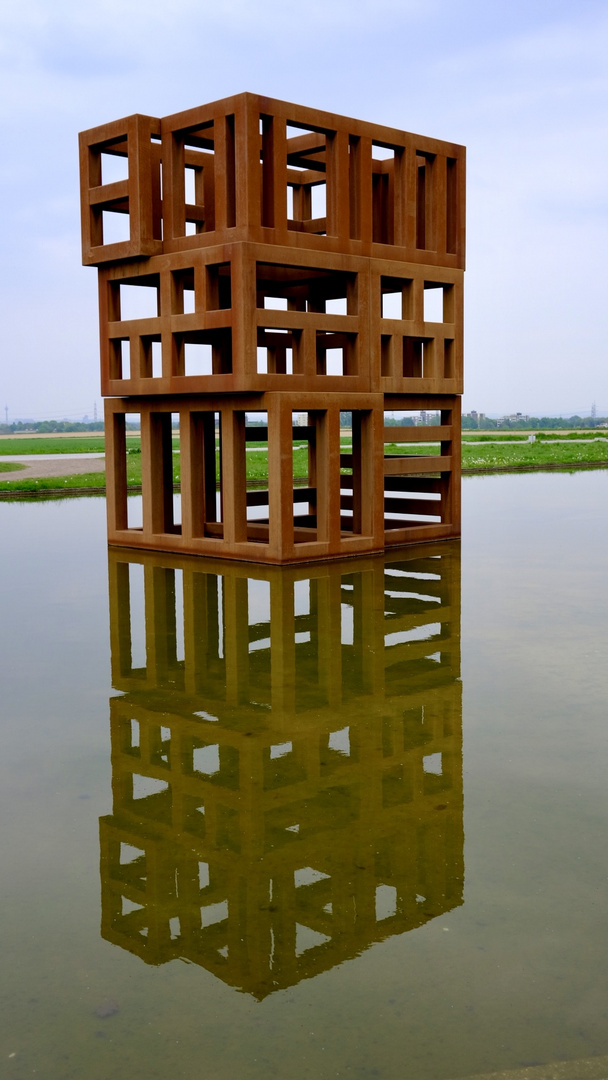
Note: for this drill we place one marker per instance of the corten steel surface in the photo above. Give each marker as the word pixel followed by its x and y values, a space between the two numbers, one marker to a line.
pixel 282 260
pixel 285 794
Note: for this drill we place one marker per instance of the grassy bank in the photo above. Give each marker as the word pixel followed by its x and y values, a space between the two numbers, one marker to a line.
pixel 537 454
pixel 513 436
pixel 10 466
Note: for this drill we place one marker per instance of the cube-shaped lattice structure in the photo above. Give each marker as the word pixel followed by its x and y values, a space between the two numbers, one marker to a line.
pixel 275 274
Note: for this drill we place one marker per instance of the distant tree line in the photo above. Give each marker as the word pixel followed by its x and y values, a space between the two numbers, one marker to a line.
pixel 469 423
pixel 47 427
pixel 534 423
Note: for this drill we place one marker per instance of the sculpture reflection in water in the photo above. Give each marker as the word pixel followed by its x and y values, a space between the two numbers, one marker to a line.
pixel 287 761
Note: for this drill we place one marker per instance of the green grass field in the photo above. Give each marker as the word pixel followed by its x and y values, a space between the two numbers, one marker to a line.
pixel 533 454
pixel 58 444
pixel 504 454
pixel 513 436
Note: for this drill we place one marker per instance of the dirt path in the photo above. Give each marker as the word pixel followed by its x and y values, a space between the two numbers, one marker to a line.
pixel 60 465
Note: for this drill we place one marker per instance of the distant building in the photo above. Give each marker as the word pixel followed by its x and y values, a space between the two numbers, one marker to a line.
pixel 512 418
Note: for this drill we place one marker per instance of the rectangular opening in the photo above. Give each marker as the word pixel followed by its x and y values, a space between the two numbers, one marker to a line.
pixel 152 357
pixel 278 351
pixel 382 194
pixel 114 167
pixel 433 764
pixel 202 352
pixel 267 159
pixel 190 183
pixel 347 624
pixel 127 508
pixel 339 741
pixel 206 759
pixel 165 505
pixel 355 433
pixel 182 300
pixel 392 305
pixel 433 302
pixel 279 750
pixel 354 186
pixel 381 152
pixel 424 192
pixel 413 498
pixel 212 914
pixel 125 359
pixel 337 306
pixel 135 516
pixel 230 173
pixel 435 776
pixel 438 302
pixel 306 184
pixel 256 438
pixel 139 299
pixel 386 356
pixel 334 361
pixel 306 289
pixel 304 500
pixel 133 745
pixel 452 206
pixel 203 875
pixel 205 442
pixel 115 226
pixel 196 163
pixel 176 475
pixel 258 605
pixel 137 623
pixel 417 358
pixel 382 218
pixel 219 288
pixel 386 902
pixel 119 358
pixel 301 597
pixel 318 200
pixel 336 353
pixel 448 359
pixel 146 787
pixel 195 204
pixel 428 632
pixel 198 358
pixel 156 354
pixel 396 298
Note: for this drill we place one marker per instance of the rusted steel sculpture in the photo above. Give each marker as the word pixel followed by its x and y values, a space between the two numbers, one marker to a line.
pixel 303 273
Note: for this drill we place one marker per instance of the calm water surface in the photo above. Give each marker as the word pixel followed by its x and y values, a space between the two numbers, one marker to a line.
pixel 343 821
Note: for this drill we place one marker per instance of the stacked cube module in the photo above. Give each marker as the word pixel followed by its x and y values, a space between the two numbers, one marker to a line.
pixel 276 275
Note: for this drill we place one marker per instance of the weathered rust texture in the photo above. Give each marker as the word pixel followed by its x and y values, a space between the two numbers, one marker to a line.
pixel 284 261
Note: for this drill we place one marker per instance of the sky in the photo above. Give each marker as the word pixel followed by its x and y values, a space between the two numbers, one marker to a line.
pixel 523 84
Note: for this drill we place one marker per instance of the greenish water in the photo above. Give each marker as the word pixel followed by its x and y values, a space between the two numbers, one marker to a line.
pixel 365 803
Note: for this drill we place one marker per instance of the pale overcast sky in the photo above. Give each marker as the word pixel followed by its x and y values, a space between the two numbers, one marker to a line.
pixel 523 84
